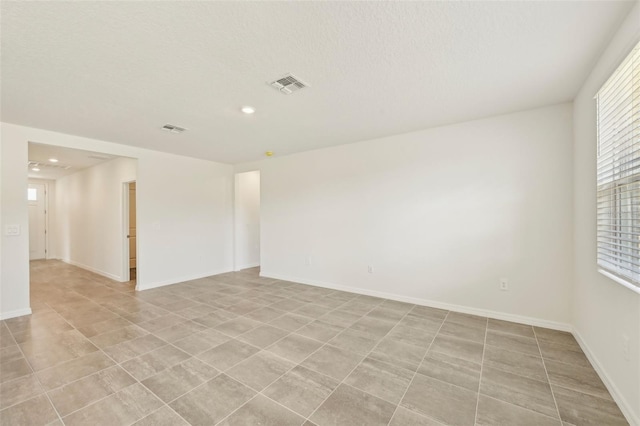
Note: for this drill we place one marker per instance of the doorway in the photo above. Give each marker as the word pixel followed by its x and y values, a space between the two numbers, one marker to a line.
pixel 131 252
pixel 247 220
pixel 37 198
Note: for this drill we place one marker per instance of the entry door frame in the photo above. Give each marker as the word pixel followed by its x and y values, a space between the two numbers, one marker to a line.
pixel 46 216
pixel 125 231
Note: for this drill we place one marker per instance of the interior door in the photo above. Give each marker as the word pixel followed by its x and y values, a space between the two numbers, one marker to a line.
pixel 132 225
pixel 37 221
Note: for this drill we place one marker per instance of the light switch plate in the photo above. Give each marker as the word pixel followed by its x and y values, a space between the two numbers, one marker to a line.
pixel 12 230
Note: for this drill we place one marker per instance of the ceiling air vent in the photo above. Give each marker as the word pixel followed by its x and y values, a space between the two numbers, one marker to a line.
pixel 173 129
pixel 288 84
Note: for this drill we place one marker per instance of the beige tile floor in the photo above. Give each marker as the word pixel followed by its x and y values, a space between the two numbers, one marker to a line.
pixel 237 349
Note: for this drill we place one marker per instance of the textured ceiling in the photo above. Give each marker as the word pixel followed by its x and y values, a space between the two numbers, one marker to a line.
pixel 118 71
pixel 69 160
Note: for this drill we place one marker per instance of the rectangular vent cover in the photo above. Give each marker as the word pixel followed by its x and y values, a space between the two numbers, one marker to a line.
pixel 288 84
pixel 173 129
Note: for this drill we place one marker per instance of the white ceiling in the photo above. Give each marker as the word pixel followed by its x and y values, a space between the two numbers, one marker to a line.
pixel 69 160
pixel 118 71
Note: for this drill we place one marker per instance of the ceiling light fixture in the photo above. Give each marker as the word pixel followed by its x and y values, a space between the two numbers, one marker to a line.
pixel 35 169
pixel 248 109
pixel 53 160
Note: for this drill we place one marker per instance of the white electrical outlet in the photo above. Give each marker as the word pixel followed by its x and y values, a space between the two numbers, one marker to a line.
pixel 504 284
pixel 370 269
pixel 625 347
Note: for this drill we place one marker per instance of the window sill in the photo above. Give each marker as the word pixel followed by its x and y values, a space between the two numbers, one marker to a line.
pixel 620 281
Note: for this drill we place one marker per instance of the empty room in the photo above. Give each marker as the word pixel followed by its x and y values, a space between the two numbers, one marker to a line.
pixel 320 213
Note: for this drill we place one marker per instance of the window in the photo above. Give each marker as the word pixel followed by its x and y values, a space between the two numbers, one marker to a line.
pixel 32 194
pixel 618 105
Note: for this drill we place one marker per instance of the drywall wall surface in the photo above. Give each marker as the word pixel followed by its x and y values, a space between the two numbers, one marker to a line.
pixel 247 220
pixel 437 216
pixel 89 206
pixel 185 218
pixel 604 312
pixel 14 263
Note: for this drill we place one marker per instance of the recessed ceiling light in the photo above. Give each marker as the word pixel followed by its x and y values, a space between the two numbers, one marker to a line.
pixel 35 169
pixel 248 109
pixel 53 160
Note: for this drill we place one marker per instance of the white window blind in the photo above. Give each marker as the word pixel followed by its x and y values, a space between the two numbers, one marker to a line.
pixel 618 104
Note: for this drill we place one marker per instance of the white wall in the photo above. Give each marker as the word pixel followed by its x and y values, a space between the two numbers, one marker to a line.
pixel 441 215
pixel 603 310
pixel 185 213
pixel 14 264
pixel 247 220
pixel 89 206
pixel 185 218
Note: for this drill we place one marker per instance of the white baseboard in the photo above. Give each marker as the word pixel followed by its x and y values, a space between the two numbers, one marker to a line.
pixel 16 313
pixel 617 396
pixel 538 322
pixel 94 270
pixel 142 286
pixel 252 265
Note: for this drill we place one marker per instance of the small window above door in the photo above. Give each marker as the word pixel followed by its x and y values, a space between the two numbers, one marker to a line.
pixel 32 194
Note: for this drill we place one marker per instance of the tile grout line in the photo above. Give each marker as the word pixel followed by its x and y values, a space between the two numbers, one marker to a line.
pixel 307 367
pixel 541 358
pixel 37 378
pixel 332 378
pixel 533 412
pixel 89 375
pixel 308 418
pixel 212 366
pixel 544 365
pixel 308 356
pixel 258 393
pixel 484 348
pixel 259 350
pixel 97 372
pixel 416 372
pixel 363 358
pixel 116 365
pixel 323 344
pixel 241 405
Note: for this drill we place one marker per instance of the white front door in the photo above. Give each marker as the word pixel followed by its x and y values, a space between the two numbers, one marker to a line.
pixel 37 221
